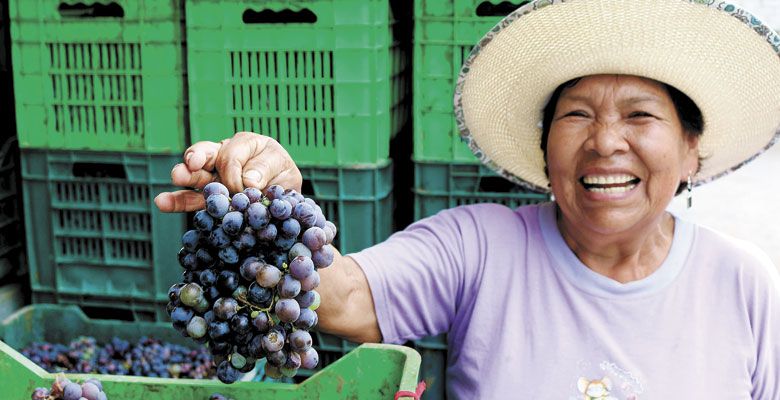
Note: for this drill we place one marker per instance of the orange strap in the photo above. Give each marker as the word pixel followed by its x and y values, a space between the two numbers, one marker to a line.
pixel 415 395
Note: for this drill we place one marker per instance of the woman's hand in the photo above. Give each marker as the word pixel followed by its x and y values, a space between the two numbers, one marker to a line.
pixel 245 160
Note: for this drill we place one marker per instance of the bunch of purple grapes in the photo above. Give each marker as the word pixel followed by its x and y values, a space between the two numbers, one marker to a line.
pixel 64 389
pixel 250 276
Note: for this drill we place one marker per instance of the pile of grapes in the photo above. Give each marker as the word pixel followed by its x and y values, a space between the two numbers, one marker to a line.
pixel 64 389
pixel 248 288
pixel 147 357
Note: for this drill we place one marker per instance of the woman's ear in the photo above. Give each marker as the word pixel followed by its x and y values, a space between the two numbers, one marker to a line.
pixel 691 159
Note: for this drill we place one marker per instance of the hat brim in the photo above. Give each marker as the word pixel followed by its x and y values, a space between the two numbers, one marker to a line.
pixel 726 60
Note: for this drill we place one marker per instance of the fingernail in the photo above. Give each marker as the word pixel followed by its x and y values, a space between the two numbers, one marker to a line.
pixel 253 175
pixel 187 159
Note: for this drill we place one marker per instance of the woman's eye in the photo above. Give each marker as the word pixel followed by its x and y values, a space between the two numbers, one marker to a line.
pixel 576 114
pixel 639 114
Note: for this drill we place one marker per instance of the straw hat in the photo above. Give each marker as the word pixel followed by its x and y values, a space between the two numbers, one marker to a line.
pixel 722 57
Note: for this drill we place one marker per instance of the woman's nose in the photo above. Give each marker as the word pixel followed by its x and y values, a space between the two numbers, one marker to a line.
pixel 606 138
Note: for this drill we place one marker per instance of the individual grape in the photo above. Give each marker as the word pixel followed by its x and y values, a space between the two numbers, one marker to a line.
pixel 305 214
pixel 212 293
pixel 294 194
pixel 301 267
pixel 215 188
pixel 273 340
pixel 190 240
pixel 180 256
pixel 288 287
pixel 227 282
pixel 225 308
pixel 229 255
pixel 237 360
pixel 219 348
pixel 240 202
pixel 306 298
pixel 219 331
pixel 190 261
pixel 284 243
pixel 310 282
pixel 218 396
pixel 250 270
pixel 226 373
pixel 267 233
pixel 300 340
pixel 191 294
pixel 254 194
pixel 274 192
pixel 314 306
pixel 280 209
pixel 330 231
pixel 258 295
pixel 245 242
pixel 233 223
pixel 277 358
pixel 217 205
pixel 181 316
pixel 298 249
pixel 262 322
pixel 40 394
pixel 203 221
pixel 202 306
pixel 269 276
pixel 249 365
pixel 189 277
pixel 320 223
pixel 208 277
pixel 309 358
pixel 197 327
pixel 96 383
pixel 290 367
pixel 174 291
pixel 240 324
pixel 205 259
pixel 279 260
pixel 239 293
pixel 287 310
pixel 291 228
pixel 307 319
pixel 257 216
pixel 272 371
pixel 323 257
pixel 72 391
pixel 219 238
pixel 314 238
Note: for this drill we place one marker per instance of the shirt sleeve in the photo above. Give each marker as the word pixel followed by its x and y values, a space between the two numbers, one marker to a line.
pixel 765 321
pixel 418 277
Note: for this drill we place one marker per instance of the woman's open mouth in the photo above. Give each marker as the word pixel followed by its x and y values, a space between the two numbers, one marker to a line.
pixel 619 183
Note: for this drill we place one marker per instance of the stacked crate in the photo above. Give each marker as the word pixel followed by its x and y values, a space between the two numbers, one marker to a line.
pixel 447 174
pixel 100 114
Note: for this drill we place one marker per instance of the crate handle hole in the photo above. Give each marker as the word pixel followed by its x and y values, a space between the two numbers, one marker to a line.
pixel 307 189
pixel 488 9
pixel 496 184
pixel 99 170
pixel 94 10
pixel 285 16
pixel 108 313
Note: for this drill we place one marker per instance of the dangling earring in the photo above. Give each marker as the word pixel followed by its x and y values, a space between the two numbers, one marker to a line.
pixel 690 191
pixel 552 195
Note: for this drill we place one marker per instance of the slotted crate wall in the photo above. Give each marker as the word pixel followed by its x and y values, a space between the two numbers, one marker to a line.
pixel 444 33
pixel 99 76
pixel 328 79
pixel 96 238
pixel 440 186
pixel 11 233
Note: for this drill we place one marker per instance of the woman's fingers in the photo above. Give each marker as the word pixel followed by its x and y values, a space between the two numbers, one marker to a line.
pixel 202 155
pixel 180 201
pixel 182 176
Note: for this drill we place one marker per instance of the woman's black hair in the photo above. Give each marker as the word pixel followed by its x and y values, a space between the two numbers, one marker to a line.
pixel 689 113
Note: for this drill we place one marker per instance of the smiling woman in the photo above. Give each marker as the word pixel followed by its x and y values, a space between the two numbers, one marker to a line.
pixel 601 294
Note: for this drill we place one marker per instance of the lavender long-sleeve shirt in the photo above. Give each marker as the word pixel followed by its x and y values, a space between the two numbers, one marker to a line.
pixel 527 320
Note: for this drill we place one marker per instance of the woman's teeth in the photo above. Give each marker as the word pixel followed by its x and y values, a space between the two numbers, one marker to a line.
pixel 609 183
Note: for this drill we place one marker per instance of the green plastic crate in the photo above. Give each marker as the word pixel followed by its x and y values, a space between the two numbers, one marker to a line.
pixel 11 233
pixel 107 76
pixel 358 199
pixel 11 299
pixel 332 92
pixel 369 372
pixel 439 186
pixel 444 33
pixel 95 237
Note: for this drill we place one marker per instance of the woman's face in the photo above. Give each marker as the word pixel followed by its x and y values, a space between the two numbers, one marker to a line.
pixel 617 152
